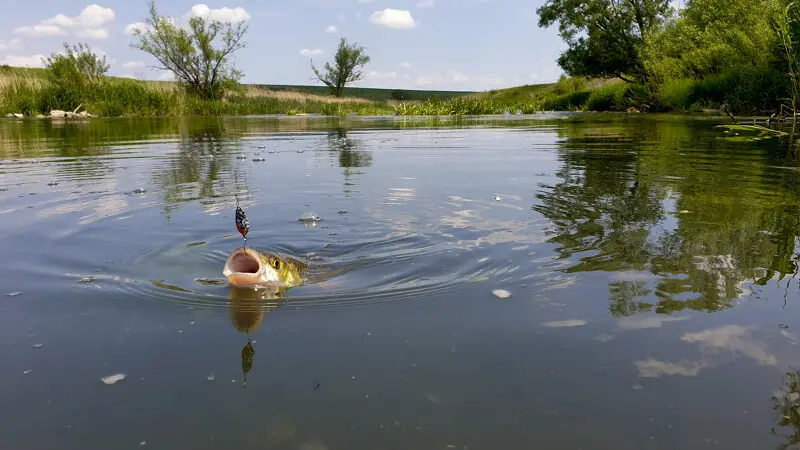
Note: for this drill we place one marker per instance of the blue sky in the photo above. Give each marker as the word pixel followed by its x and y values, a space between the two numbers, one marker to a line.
pixel 414 44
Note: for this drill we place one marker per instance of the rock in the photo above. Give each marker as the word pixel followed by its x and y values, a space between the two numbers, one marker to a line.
pixel 83 114
pixel 70 114
pixel 14 116
pixel 40 116
pixel 57 114
pixel 19 116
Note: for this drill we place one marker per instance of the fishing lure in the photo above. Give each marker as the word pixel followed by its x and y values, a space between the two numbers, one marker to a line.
pixel 242 224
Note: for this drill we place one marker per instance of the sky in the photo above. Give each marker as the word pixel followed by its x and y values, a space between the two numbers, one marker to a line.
pixel 472 45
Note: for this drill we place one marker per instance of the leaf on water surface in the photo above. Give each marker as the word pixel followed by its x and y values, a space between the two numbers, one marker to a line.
pixel 210 281
pixel 478 280
pixel 112 379
pixel 13 294
pixel 501 293
pixel 161 284
pixel 194 244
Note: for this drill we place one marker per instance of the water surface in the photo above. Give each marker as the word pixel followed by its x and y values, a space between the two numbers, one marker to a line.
pixel 651 263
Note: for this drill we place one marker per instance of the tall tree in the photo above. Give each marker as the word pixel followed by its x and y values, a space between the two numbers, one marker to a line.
pixel 189 51
pixel 346 66
pixel 605 37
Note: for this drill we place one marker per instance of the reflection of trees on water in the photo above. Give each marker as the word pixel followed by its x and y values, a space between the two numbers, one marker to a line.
pixel 612 210
pixel 786 404
pixel 202 170
pixel 349 150
pixel 350 154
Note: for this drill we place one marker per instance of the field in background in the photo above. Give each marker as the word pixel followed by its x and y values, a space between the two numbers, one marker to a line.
pixel 372 94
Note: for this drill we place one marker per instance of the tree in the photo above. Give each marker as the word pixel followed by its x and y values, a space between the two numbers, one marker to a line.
pixel 345 69
pixel 613 32
pixel 77 67
pixel 189 52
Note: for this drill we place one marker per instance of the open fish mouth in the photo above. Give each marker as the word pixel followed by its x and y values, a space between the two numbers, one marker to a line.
pixel 244 262
pixel 243 268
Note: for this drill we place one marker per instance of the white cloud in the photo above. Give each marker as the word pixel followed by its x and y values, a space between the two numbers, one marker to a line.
pixel 133 65
pixel 23 61
pixel 331 29
pixel 11 44
pixel 131 27
pixel 89 24
pixel 166 76
pixel 398 19
pixel 310 52
pixel 40 30
pixel 221 14
pixel 404 65
pixel 425 4
pixel 94 33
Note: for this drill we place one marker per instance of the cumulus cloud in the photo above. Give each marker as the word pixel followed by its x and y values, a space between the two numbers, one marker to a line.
pixel 224 14
pixel 133 65
pixel 331 29
pixel 404 65
pixel 11 44
pixel 449 77
pixel 398 19
pixel 23 61
pixel 40 30
pixel 310 52
pixel 425 4
pixel 90 23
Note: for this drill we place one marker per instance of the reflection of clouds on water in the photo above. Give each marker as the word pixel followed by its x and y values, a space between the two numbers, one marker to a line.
pixel 653 368
pixel 565 323
pixel 641 323
pixel 735 339
pixel 399 196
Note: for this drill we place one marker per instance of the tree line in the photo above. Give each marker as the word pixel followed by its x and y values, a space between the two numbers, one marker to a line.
pixel 740 52
pixel 199 56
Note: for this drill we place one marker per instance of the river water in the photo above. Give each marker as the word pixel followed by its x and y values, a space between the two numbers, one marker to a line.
pixel 651 263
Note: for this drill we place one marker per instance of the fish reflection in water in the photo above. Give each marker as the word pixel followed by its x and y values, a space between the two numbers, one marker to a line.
pixel 248 307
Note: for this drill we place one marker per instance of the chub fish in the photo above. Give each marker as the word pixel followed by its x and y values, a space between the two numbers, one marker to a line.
pixel 247 267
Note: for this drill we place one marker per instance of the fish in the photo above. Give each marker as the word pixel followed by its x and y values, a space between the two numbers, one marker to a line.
pixel 250 268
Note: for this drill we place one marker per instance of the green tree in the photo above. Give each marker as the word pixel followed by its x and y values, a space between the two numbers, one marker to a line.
pixel 605 37
pixel 189 52
pixel 76 67
pixel 345 69
pixel 710 37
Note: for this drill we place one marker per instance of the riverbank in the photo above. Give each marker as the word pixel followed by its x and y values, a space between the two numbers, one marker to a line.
pixel 27 92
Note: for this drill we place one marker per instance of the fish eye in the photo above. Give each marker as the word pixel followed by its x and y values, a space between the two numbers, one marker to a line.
pixel 276 263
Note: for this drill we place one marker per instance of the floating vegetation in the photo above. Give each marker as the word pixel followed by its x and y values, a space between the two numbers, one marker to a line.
pixel 761 132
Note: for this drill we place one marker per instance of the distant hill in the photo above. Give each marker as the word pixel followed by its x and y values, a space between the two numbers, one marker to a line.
pixel 374 94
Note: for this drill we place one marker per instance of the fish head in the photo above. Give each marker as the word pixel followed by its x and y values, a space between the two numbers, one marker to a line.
pixel 247 267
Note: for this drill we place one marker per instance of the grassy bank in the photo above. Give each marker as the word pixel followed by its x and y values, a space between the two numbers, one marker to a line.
pixel 27 91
